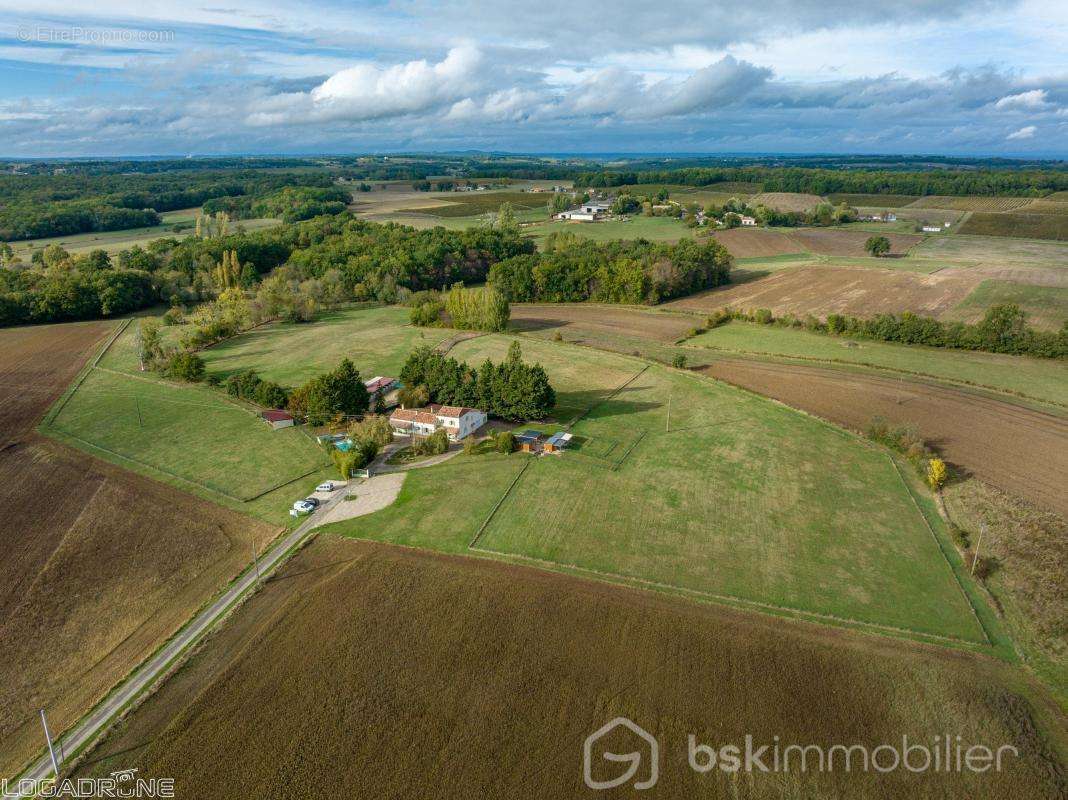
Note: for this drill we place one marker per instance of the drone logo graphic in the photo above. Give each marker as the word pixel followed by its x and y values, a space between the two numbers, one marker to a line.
pixel 634 759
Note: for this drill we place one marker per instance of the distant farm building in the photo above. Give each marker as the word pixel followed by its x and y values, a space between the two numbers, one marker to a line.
pixel 457 421
pixel 748 222
pixel 558 441
pixel 932 228
pixel 529 441
pixel 277 419
pixel 588 212
pixel 384 389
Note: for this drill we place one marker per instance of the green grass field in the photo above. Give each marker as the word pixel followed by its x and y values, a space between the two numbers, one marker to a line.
pixel 991 250
pixel 469 204
pixel 188 435
pixel 114 241
pixel 655 229
pixel 377 340
pixel 1046 306
pixel 1037 378
pixel 697 486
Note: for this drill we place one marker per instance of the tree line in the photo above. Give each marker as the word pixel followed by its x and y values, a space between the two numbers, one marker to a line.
pixel 1003 183
pixel 511 390
pixel 1003 329
pixel 572 269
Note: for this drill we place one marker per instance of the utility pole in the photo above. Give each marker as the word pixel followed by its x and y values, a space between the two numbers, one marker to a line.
pixel 51 749
pixel 979 541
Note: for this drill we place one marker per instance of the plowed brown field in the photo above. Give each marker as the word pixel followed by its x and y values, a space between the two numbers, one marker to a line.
pixel 373 671
pixel 624 321
pixel 756 243
pixel 1020 450
pixel 99 565
pixel 823 290
pixel 835 242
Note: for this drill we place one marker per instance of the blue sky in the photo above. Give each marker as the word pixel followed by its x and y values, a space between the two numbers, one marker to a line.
pixel 158 77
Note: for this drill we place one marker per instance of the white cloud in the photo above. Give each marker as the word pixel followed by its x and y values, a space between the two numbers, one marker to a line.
pixel 1033 100
pixel 1027 132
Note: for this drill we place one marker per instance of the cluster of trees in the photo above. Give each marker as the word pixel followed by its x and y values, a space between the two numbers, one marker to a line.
pixel 368 436
pixel 337 394
pixel 512 390
pixel 63 287
pixel 296 203
pixel 248 385
pixel 482 308
pixel 1003 329
pixel 573 269
pixel 36 205
pixel 986 182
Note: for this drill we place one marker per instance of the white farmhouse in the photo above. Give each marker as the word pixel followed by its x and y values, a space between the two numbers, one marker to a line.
pixel 458 422
pixel 748 222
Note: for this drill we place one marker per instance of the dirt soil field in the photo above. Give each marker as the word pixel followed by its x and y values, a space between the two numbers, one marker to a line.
pixel 786 201
pixel 823 290
pixel 835 242
pixel 624 321
pixel 100 565
pixel 373 671
pixel 756 243
pixel 1017 449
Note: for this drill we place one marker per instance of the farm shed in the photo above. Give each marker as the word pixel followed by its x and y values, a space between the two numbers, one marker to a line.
pixel 528 441
pixel 558 441
pixel 277 419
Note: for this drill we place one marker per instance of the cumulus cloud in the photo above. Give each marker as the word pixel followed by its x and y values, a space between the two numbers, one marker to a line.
pixel 371 91
pixel 1033 100
pixel 1026 132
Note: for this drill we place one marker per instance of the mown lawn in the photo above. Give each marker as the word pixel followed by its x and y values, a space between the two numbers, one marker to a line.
pixel 689 483
pixel 1039 378
pixel 377 340
pixel 192 437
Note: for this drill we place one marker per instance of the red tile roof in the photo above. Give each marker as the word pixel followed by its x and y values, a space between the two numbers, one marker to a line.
pixel 413 415
pixel 451 411
pixel 276 416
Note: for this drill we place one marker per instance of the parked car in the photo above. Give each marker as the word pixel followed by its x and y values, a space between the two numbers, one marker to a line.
pixel 312 501
pixel 325 487
pixel 302 507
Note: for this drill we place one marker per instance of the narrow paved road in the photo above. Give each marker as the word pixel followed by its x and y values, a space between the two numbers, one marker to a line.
pixel 91 725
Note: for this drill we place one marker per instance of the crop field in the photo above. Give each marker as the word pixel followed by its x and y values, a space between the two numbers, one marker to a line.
pixel 824 289
pixel 841 242
pixel 756 242
pixel 971 203
pixel 879 201
pixel 669 496
pixel 1046 306
pixel 992 251
pixel 100 565
pixel 1047 205
pixel 189 435
pixel 614 320
pixel 377 340
pixel 175 223
pixel 655 229
pixel 1016 448
pixel 1019 225
pixel 469 204
pixel 1041 379
pixel 397 641
pixel 737 188
pixel 786 201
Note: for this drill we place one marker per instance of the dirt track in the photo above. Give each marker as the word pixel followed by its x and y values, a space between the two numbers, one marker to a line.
pixel 1017 449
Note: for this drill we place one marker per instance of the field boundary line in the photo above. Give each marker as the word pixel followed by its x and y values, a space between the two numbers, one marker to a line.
pixel 608 396
pixel 942 550
pixel 723 598
pixel 50 416
pixel 497 505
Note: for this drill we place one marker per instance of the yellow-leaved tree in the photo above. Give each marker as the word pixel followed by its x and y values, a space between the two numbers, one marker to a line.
pixel 936 473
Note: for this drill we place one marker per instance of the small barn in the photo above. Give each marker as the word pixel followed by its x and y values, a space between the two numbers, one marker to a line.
pixel 277 419
pixel 558 441
pixel 529 441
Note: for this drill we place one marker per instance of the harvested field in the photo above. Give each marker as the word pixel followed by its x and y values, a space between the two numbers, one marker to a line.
pixel 993 251
pixel 971 203
pixel 879 201
pixel 1019 225
pixel 822 290
pixel 371 671
pixel 1017 449
pixel 469 204
pixel 613 320
pixel 838 242
pixel 1046 304
pixel 786 201
pixel 756 242
pixel 1047 206
pixel 100 565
